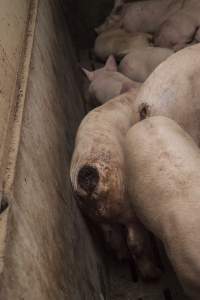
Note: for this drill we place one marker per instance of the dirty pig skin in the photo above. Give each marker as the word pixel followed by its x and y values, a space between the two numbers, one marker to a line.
pixel 98 176
pixel 141 62
pixel 172 90
pixel 163 179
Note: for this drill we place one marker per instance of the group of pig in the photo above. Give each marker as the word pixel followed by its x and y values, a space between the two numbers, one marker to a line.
pixel 140 35
pixel 136 163
pixel 173 23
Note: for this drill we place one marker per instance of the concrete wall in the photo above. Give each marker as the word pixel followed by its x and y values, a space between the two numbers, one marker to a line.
pixel 49 252
pixel 13 19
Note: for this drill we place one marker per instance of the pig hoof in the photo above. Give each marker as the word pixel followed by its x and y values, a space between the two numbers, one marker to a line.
pixel 88 178
pixel 150 273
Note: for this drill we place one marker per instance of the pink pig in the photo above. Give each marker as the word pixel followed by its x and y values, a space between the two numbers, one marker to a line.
pixel 107 83
pixel 180 29
pixel 140 63
pixel 140 16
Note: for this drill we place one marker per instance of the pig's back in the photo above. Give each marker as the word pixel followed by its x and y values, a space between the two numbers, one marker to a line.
pixel 173 90
pixel 140 63
pixel 163 165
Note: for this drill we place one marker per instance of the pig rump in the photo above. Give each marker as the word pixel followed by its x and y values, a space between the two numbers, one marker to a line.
pixel 99 188
pixel 98 177
pixel 97 167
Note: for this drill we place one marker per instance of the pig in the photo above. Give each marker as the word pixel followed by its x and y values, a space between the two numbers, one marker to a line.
pixel 163 180
pixel 107 83
pixel 98 178
pixel 173 91
pixel 140 63
pixel 118 42
pixel 141 16
pixel 180 29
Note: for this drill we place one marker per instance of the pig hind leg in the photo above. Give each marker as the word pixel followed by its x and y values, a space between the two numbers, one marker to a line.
pixel 139 245
pixel 114 236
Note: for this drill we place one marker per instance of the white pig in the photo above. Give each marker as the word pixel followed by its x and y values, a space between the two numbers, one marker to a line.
pixel 119 42
pixel 173 90
pixel 141 16
pixel 140 63
pixel 98 178
pixel 106 83
pixel 163 180
pixel 180 29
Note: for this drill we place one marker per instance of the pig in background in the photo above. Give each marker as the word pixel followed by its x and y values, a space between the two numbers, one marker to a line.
pixel 173 90
pixel 141 16
pixel 163 179
pixel 118 42
pixel 107 83
pixel 181 28
pixel 140 63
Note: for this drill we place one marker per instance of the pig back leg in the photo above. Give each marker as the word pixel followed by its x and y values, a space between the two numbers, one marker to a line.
pixel 139 244
pixel 115 238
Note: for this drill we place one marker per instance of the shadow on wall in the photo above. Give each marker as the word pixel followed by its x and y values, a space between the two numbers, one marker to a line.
pixel 83 16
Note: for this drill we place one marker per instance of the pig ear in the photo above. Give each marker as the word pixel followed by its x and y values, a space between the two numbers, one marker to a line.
pixel 111 64
pixel 127 86
pixel 89 74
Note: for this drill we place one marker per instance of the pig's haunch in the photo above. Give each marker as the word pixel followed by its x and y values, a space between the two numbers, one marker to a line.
pixel 98 181
pixel 163 182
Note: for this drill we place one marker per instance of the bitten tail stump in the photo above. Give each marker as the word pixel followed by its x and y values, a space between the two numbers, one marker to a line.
pixel 88 178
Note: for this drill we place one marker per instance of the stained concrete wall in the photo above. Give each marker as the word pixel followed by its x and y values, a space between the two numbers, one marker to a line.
pixel 13 19
pixel 49 250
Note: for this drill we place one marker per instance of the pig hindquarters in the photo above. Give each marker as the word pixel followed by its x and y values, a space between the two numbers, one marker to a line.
pixel 173 91
pixel 163 164
pixel 98 179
